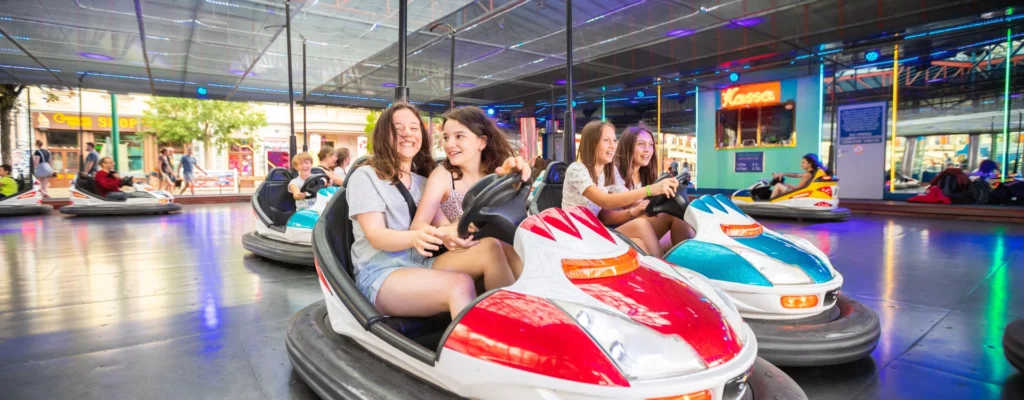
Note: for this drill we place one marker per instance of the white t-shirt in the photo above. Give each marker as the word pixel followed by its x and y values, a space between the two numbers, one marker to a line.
pixel 340 172
pixel 577 179
pixel 301 204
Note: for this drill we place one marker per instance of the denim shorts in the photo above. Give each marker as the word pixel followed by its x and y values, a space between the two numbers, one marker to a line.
pixel 371 276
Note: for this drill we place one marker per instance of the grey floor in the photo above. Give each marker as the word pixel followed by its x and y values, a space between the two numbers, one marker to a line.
pixel 172 307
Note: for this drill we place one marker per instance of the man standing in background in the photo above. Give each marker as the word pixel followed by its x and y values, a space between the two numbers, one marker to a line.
pixel 186 164
pixel 92 159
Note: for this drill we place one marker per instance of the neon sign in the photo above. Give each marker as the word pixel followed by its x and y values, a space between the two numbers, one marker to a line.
pixel 757 94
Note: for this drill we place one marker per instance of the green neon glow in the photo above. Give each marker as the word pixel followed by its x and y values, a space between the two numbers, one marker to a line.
pixel 602 107
pixel 996 307
pixel 1006 101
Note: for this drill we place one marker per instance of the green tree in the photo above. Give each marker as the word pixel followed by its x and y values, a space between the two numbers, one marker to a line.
pixel 8 100
pixel 214 123
pixel 371 122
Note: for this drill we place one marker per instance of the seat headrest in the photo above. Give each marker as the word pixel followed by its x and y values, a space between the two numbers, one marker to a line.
pixel 555 173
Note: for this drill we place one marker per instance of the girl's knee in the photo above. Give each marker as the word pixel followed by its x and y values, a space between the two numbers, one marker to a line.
pixel 462 285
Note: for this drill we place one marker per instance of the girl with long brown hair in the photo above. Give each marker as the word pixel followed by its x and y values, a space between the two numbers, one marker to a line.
pixel 593 182
pixel 475 147
pixel 636 160
pixel 392 264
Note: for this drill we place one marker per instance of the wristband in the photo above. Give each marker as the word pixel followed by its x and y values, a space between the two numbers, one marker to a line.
pixel 648 189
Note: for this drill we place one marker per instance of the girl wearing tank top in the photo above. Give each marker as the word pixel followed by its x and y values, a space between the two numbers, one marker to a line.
pixel 476 147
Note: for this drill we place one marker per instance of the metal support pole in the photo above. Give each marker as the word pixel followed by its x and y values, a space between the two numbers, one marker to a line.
pixel 305 132
pixel 569 137
pixel 402 90
pixel 1006 104
pixel 895 107
pixel 115 131
pixel 661 137
pixel 31 133
pixel 291 88
pixel 1020 133
pixel 81 146
pixel 832 156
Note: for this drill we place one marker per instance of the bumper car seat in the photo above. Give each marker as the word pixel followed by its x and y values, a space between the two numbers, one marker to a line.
pixel 550 194
pixel 276 204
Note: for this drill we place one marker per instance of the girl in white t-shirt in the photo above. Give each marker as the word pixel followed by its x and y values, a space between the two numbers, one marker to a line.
pixel 593 182
pixel 341 162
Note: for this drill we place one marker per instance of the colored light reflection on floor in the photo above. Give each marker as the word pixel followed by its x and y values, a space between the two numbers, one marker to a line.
pixel 888 282
pixel 998 296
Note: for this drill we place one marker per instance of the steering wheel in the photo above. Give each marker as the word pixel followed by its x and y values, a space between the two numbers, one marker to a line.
pixel 313 184
pixel 127 181
pixel 674 206
pixel 778 180
pixel 494 205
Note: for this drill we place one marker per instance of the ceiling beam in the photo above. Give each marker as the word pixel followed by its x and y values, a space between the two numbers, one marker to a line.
pixel 33 57
pixel 142 39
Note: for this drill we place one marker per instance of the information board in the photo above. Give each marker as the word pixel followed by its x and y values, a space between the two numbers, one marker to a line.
pixel 749 161
pixel 861 150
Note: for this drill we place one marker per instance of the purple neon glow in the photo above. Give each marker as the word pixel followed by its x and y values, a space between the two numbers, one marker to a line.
pixel 679 32
pixel 465 84
pixel 1016 96
pixel 95 56
pixel 389 84
pixel 240 72
pixel 748 22
pixel 562 82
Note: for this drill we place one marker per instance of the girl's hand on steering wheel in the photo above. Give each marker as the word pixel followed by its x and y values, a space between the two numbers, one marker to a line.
pixel 513 164
pixel 453 241
pixel 428 239
pixel 666 187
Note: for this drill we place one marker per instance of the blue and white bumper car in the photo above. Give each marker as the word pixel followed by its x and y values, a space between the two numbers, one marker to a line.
pixel 282 233
pixel 782 285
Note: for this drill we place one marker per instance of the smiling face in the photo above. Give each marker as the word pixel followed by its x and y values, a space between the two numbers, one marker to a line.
pixel 605 151
pixel 407 136
pixel 643 149
pixel 461 144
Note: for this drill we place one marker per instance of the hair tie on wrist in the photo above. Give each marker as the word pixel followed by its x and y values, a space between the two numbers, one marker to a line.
pixel 648 188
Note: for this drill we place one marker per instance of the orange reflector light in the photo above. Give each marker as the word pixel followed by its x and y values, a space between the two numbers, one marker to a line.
pixel 799 301
pixel 79 195
pixel 751 230
pixel 601 268
pixel 162 201
pixel 701 395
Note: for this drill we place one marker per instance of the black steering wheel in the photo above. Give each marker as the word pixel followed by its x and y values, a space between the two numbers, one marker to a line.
pixel 494 205
pixel 313 184
pixel 674 206
pixel 127 181
pixel 778 180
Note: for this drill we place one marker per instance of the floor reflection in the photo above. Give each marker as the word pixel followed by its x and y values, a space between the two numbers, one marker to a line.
pixel 173 307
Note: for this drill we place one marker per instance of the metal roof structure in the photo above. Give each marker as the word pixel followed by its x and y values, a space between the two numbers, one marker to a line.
pixel 508 51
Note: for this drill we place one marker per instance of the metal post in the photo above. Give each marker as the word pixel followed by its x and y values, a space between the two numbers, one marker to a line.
pixel 1016 162
pixel 292 146
pixel 31 133
pixel 832 135
pixel 402 90
pixel 81 165
pixel 569 137
pixel 305 132
pixel 1006 103
pixel 451 77
pixel 895 107
pixel 115 131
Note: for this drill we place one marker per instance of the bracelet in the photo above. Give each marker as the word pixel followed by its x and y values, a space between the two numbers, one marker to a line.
pixel 648 188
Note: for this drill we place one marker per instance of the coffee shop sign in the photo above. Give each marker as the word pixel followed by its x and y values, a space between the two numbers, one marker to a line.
pixel 86 122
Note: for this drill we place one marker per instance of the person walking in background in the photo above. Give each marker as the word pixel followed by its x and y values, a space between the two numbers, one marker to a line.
pixel 92 159
pixel 43 170
pixel 166 170
pixel 186 164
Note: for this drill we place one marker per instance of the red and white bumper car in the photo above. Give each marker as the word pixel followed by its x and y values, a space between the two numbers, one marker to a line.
pixel 588 318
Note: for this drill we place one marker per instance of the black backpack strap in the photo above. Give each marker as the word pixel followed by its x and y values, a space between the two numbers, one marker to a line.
pixel 408 199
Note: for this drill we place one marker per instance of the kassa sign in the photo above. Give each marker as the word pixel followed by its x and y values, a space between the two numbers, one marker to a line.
pixel 758 94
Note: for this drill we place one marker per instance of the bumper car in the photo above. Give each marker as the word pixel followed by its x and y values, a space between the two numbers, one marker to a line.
pixel 1013 344
pixel 144 200
pixel 588 318
pixel 547 191
pixel 819 200
pixel 283 234
pixel 27 201
pixel 783 286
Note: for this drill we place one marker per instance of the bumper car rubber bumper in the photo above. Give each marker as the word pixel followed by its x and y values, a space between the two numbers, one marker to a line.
pixel 845 333
pixel 10 211
pixel 277 250
pixel 1013 344
pixel 757 210
pixel 135 209
pixel 336 367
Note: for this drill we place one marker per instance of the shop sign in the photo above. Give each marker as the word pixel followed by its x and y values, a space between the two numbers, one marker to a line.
pixel 758 94
pixel 71 121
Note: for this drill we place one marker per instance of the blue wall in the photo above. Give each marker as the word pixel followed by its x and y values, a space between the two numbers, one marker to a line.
pixel 715 167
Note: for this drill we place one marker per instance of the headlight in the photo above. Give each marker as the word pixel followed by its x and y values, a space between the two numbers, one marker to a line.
pixel 639 352
pixel 777 272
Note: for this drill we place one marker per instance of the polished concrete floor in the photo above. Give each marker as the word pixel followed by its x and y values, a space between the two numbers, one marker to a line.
pixel 172 307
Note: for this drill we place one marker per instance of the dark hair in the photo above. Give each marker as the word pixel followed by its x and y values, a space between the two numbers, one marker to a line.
pixel 6 167
pixel 624 157
pixel 342 156
pixel 39 143
pixel 385 156
pixel 495 151
pixel 163 150
pixel 815 162
pixel 539 165
pixel 590 137
pixel 987 166
pixel 90 144
pixel 324 153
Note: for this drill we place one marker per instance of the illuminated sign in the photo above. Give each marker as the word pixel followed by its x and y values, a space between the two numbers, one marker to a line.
pixel 757 94
pixel 62 121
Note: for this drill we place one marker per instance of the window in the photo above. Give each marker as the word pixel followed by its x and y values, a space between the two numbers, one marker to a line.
pixel 765 126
